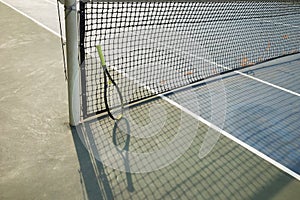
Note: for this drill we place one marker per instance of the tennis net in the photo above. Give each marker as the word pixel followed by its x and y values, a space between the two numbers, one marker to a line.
pixel 155 47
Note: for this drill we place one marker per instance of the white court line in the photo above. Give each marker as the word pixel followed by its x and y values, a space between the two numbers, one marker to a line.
pixel 270 84
pixel 231 137
pixel 265 82
pixel 31 18
pixel 248 147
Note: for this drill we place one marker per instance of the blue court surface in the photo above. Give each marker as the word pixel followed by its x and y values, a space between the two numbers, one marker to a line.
pixel 261 107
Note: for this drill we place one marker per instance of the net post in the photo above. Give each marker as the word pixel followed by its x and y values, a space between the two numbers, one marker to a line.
pixel 72 61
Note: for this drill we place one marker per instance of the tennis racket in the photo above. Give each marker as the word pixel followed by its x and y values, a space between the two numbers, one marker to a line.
pixel 121 140
pixel 113 99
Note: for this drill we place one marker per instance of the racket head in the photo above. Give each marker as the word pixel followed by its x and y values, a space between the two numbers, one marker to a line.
pixel 112 94
pixel 121 134
pixel 114 100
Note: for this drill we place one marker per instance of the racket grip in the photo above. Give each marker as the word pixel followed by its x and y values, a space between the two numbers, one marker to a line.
pixel 101 55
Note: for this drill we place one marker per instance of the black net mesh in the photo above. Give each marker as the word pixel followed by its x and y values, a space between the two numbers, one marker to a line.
pixel 154 47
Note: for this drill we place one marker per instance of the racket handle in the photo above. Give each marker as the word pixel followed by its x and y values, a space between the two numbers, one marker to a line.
pixel 101 55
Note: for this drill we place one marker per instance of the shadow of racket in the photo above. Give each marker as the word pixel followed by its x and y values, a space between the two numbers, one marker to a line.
pixel 121 140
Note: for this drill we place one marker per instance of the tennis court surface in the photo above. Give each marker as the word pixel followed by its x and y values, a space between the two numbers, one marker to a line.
pixel 225 118
pixel 179 154
pixel 210 117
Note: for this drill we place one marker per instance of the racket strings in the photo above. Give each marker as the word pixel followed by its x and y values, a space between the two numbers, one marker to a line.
pixel 115 102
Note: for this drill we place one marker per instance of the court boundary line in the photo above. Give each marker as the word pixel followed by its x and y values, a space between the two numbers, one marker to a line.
pixel 233 138
pixel 264 82
pixel 31 18
pixel 209 124
pixel 267 83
